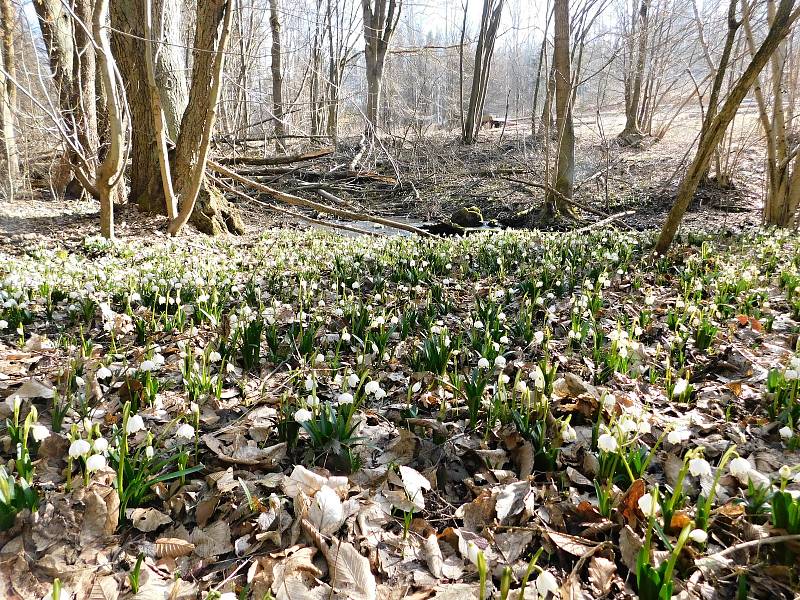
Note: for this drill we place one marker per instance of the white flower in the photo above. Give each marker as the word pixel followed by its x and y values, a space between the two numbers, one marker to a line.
pixel 792 374
pixel 680 388
pixel 100 445
pixel 79 448
pixel 537 376
pixel 699 467
pixel 740 468
pixel 95 462
pixel 546 584
pixel 607 443
pixel 648 506
pixel 39 432
pixel 185 431
pixel 302 415
pixel 13 402
pixel 500 362
pixel 352 380
pixel 319 358
pixel 135 424
pixel 214 357
pixel 103 373
pixel 699 536
pixel 521 386
pixel 345 398
pixel 786 433
pixel 380 393
pixel 785 472
pixel 483 363
pixel 568 433
pixel 149 452
pixel 416 387
pixel 609 402
pixel 345 337
pixel 3 324
pixel 678 436
pixel 478 325
pixel 147 365
pixel 472 553
pixel 371 387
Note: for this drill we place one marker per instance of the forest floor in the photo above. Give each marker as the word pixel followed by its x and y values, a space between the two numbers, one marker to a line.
pixel 300 414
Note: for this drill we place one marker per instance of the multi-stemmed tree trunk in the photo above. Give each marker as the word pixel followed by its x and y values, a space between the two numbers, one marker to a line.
pixel 277 76
pixel 783 165
pixel 635 76
pixel 380 20
pixel 785 15
pixel 557 198
pixel 490 21
pixel 67 38
pixel 9 156
pixel 181 106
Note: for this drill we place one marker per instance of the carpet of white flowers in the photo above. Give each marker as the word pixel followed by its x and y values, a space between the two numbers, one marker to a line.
pixel 504 415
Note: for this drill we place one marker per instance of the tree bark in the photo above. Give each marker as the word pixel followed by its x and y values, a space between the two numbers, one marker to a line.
pixel 72 62
pixel 380 21
pixel 565 165
pixel 277 76
pixel 8 98
pixel 212 214
pixel 634 94
pixel 211 36
pixel 490 20
pixel 785 17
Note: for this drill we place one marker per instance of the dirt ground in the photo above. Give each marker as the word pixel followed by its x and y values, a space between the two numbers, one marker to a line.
pixel 437 175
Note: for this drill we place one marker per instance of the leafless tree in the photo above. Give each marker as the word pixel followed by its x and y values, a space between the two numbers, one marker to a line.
pixel 380 21
pixel 487 34
pixel 784 16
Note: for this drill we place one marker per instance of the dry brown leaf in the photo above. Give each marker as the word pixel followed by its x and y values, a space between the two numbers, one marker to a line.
pixel 147 519
pixel 212 541
pixel 512 499
pixel 433 555
pixel 246 453
pixel 679 520
pixel 601 575
pixel 101 514
pixel 350 572
pixel 33 388
pixel 571 544
pixel 629 546
pixel 629 505
pixel 166 547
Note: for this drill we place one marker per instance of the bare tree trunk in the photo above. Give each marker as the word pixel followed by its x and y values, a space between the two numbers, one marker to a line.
pixel 380 20
pixel 72 61
pixel 211 37
pixel 109 173
pixel 719 78
pixel 490 20
pixel 783 167
pixel 8 97
pixel 633 95
pixel 277 77
pixel 212 213
pixel 785 17
pixel 565 165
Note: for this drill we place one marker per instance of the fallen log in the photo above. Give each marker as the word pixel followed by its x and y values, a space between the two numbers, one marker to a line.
pixel 298 201
pixel 274 160
pixel 290 213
